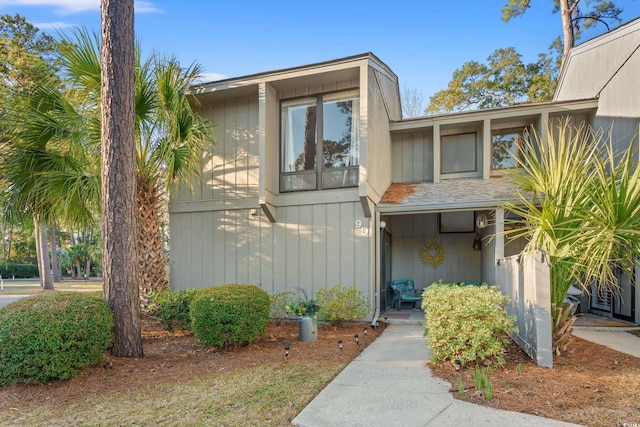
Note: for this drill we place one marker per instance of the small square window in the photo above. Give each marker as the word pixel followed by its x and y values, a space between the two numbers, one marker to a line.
pixel 505 149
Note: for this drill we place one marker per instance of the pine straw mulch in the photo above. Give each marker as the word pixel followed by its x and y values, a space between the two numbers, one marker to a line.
pixel 175 357
pixel 589 384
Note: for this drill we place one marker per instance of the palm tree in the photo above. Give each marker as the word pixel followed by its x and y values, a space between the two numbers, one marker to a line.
pixel 170 139
pixel 580 202
pixel 46 165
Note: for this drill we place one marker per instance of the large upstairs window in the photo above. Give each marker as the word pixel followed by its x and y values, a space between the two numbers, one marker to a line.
pixel 307 164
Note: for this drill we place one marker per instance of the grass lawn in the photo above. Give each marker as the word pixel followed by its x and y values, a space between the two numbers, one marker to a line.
pixel 179 383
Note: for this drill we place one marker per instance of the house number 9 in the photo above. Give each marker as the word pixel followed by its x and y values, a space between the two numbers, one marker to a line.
pixel 358 223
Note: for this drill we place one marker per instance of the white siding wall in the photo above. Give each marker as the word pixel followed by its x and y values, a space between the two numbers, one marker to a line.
pixel 311 246
pixel 409 234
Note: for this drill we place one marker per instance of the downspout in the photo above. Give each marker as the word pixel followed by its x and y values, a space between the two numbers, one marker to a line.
pixel 377 241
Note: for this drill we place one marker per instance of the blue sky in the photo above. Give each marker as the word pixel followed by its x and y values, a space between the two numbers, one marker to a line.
pixel 422 41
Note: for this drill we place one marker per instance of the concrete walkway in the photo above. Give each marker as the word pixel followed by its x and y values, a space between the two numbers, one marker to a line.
pixel 614 338
pixel 389 384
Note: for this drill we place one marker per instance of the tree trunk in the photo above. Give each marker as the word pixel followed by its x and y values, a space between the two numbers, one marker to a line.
pixel 10 243
pixel 57 272
pixel 119 229
pixel 568 36
pixel 151 259
pixel 310 139
pixel 78 269
pixel 87 268
pixel 42 254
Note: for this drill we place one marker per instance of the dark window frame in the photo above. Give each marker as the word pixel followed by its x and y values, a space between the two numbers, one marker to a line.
pixel 320 168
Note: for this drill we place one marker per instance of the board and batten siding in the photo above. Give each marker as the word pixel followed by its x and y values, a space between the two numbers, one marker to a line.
pixel 376 143
pixel 310 247
pixel 412 156
pixel 230 170
pixel 409 234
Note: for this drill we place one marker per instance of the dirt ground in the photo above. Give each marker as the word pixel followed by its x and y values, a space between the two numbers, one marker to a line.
pixel 590 384
pixel 175 357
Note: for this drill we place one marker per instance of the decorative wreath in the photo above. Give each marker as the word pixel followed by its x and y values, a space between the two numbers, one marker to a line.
pixel 431 254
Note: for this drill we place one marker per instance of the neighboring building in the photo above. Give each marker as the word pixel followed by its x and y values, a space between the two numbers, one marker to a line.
pixel 278 208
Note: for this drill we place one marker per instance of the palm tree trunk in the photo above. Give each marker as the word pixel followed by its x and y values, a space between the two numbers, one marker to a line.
pixel 57 272
pixel 151 259
pixel 42 253
pixel 9 244
pixel 119 229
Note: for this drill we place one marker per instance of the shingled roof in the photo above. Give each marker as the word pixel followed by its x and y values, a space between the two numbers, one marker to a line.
pixel 447 195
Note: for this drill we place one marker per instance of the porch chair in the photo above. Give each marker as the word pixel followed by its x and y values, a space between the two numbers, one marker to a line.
pixel 404 291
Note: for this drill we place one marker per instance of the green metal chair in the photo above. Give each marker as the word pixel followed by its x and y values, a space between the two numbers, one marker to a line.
pixel 404 291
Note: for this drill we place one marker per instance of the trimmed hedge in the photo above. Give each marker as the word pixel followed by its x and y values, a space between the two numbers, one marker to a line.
pixel 466 323
pixel 23 271
pixel 173 308
pixel 229 314
pixel 50 336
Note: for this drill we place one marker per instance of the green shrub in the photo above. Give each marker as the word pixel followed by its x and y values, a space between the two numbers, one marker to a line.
pixel 342 304
pixel 50 336
pixel 173 308
pixel 229 314
pixel 466 323
pixel 278 303
pixel 18 270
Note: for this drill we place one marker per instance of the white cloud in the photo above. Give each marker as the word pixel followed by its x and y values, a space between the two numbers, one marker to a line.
pixel 146 7
pixel 52 25
pixel 75 6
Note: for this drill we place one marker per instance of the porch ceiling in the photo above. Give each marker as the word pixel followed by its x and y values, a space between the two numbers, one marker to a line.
pixel 453 194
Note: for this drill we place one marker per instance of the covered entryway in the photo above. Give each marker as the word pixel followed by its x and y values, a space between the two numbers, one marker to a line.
pixel 438 232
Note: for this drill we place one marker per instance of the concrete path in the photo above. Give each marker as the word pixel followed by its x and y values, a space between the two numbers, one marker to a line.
pixel 8 299
pixel 615 338
pixel 389 384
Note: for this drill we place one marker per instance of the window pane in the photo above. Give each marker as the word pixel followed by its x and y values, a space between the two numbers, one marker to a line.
pixel 340 178
pixel 340 129
pixel 459 153
pixel 298 181
pixel 299 135
pixel 505 148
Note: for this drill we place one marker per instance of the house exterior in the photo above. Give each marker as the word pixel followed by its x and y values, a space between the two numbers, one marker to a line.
pixel 316 179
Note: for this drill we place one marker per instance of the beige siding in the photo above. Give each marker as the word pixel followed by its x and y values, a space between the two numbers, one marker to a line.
pixel 378 143
pixel 409 234
pixel 311 246
pixel 314 89
pixel 603 58
pixel 230 170
pixel 412 156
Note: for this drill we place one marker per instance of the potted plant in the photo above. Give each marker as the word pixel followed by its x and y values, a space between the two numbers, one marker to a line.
pixel 306 310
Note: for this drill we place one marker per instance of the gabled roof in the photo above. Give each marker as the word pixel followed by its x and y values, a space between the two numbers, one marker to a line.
pixel 284 73
pixel 602 56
